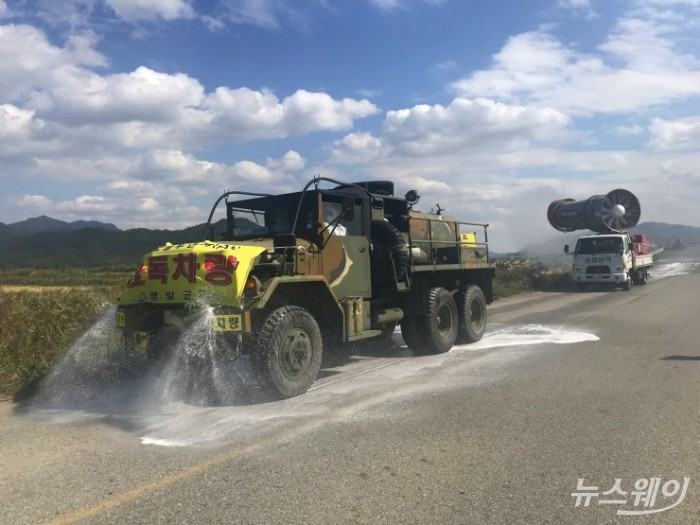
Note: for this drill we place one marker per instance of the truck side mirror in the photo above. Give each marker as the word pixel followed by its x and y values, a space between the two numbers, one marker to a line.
pixel 348 212
pixel 566 249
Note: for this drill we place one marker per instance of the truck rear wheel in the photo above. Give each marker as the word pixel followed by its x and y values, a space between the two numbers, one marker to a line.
pixel 438 328
pixel 471 308
pixel 640 276
pixel 288 351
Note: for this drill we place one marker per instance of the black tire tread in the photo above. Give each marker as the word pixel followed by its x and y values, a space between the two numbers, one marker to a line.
pixel 264 354
pixel 467 333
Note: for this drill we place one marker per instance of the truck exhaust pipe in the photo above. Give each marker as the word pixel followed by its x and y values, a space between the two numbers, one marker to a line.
pixel 616 212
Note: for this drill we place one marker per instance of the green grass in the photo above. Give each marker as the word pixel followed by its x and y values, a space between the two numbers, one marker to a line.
pixel 70 276
pixel 37 326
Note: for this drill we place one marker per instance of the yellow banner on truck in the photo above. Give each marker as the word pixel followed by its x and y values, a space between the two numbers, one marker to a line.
pixel 183 273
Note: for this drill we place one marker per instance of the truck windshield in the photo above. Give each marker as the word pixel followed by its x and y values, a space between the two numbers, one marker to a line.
pixel 266 217
pixel 600 245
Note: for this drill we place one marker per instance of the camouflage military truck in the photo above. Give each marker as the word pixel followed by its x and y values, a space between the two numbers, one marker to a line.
pixel 294 273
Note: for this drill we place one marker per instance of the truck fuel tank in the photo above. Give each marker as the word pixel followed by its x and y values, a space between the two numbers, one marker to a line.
pixel 616 212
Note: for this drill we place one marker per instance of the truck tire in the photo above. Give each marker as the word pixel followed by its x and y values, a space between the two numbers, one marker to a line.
pixel 411 333
pixel 388 240
pixel 627 285
pixel 440 325
pixel 642 276
pixel 287 353
pixel 471 309
pixel 161 342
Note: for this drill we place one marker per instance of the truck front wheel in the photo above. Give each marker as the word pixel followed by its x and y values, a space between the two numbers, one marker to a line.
pixel 288 351
pixel 627 285
pixel 471 307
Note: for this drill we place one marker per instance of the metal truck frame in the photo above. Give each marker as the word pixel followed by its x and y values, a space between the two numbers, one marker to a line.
pixel 294 273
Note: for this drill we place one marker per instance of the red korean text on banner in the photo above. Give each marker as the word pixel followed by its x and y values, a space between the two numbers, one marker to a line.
pixel 186 265
pixel 219 268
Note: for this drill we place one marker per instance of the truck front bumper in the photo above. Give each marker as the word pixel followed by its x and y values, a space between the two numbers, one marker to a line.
pixel 598 278
pixel 146 317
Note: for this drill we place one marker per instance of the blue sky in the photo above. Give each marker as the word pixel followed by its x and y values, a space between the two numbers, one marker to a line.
pixel 141 112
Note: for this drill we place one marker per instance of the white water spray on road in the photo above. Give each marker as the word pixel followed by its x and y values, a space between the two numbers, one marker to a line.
pixel 98 380
pixel 671 269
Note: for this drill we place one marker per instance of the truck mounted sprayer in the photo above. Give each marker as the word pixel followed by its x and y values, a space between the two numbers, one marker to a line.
pixel 291 275
pixel 611 255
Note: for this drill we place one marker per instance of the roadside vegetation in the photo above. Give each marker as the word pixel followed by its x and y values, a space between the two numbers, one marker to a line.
pixel 43 311
pixel 515 276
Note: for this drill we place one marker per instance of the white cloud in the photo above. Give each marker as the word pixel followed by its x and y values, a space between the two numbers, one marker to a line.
pixel 244 114
pixel 356 148
pixel 386 5
pixel 28 61
pixel 133 10
pixel 85 204
pixel 250 171
pixel 148 204
pixel 291 161
pixel 67 113
pixel 639 67
pixel 474 125
pixel 261 13
pixel 675 135
pixel 35 201
pixel 15 122
pixel 393 5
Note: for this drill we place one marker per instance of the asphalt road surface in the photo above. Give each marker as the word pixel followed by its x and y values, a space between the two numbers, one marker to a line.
pixel 568 397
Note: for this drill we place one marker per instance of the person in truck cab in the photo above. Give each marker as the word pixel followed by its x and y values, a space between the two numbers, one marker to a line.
pixel 331 218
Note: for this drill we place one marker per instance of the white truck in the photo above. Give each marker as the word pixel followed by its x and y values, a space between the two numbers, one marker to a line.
pixel 617 259
pixel 611 255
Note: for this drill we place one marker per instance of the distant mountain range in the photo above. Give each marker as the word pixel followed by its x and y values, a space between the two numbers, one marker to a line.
pixel 43 241
pixel 47 224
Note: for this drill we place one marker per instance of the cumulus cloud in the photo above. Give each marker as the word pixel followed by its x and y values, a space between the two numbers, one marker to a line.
pixel 464 126
pixel 244 114
pixel 166 189
pixel 675 135
pixel 64 108
pixel 639 66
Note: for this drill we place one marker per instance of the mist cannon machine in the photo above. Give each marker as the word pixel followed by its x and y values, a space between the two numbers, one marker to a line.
pixel 616 212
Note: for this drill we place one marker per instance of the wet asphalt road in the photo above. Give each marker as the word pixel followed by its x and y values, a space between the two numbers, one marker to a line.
pixel 598 386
